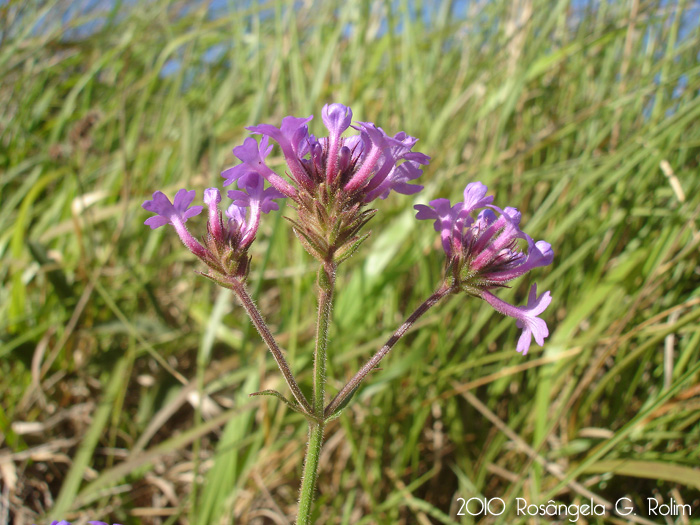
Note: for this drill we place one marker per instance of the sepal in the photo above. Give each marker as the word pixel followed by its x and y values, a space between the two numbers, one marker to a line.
pixel 349 249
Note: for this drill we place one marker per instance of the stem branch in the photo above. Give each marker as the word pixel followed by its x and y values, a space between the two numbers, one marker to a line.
pixel 350 387
pixel 257 319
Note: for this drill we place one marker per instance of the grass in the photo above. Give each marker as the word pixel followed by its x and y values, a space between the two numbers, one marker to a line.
pixel 585 116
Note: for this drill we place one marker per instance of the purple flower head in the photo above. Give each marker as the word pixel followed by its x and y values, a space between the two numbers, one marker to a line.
pixel 485 252
pixel 224 248
pixel 359 167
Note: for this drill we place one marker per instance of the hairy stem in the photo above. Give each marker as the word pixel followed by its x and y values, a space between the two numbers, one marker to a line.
pixel 308 480
pixel 326 287
pixel 257 319
pixel 350 387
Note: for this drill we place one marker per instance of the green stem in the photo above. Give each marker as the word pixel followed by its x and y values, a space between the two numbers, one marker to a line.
pixel 308 480
pixel 326 287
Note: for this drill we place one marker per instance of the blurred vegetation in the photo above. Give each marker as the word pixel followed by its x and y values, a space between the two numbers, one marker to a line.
pixel 582 114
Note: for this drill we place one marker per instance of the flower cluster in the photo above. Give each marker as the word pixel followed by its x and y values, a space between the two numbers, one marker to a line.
pixel 331 181
pixel 225 247
pixel 483 253
pixel 331 178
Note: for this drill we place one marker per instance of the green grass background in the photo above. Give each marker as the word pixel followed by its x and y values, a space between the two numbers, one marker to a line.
pixel 583 115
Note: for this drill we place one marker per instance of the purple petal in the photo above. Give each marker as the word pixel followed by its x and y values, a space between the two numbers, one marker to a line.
pixel 156 221
pixel 159 204
pixel 239 198
pixel 475 197
pixel 397 180
pixel 416 156
pixel 251 152
pixel 425 213
pixel 337 118
pixel 267 204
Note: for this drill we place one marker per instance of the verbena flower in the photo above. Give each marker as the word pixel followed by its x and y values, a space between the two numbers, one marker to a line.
pixel 484 252
pixel 175 214
pixel 224 248
pixel 332 178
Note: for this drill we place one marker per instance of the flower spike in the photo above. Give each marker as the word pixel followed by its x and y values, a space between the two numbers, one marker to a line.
pixel 225 248
pixel 332 178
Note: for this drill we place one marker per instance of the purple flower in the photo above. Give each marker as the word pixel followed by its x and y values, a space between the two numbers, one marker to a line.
pixel 526 317
pixel 175 214
pixel 445 217
pixel 253 157
pixel 212 198
pixel 169 213
pixel 291 137
pixel 225 246
pixel 255 197
pixel 484 252
pixel 337 119
pixel 359 167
